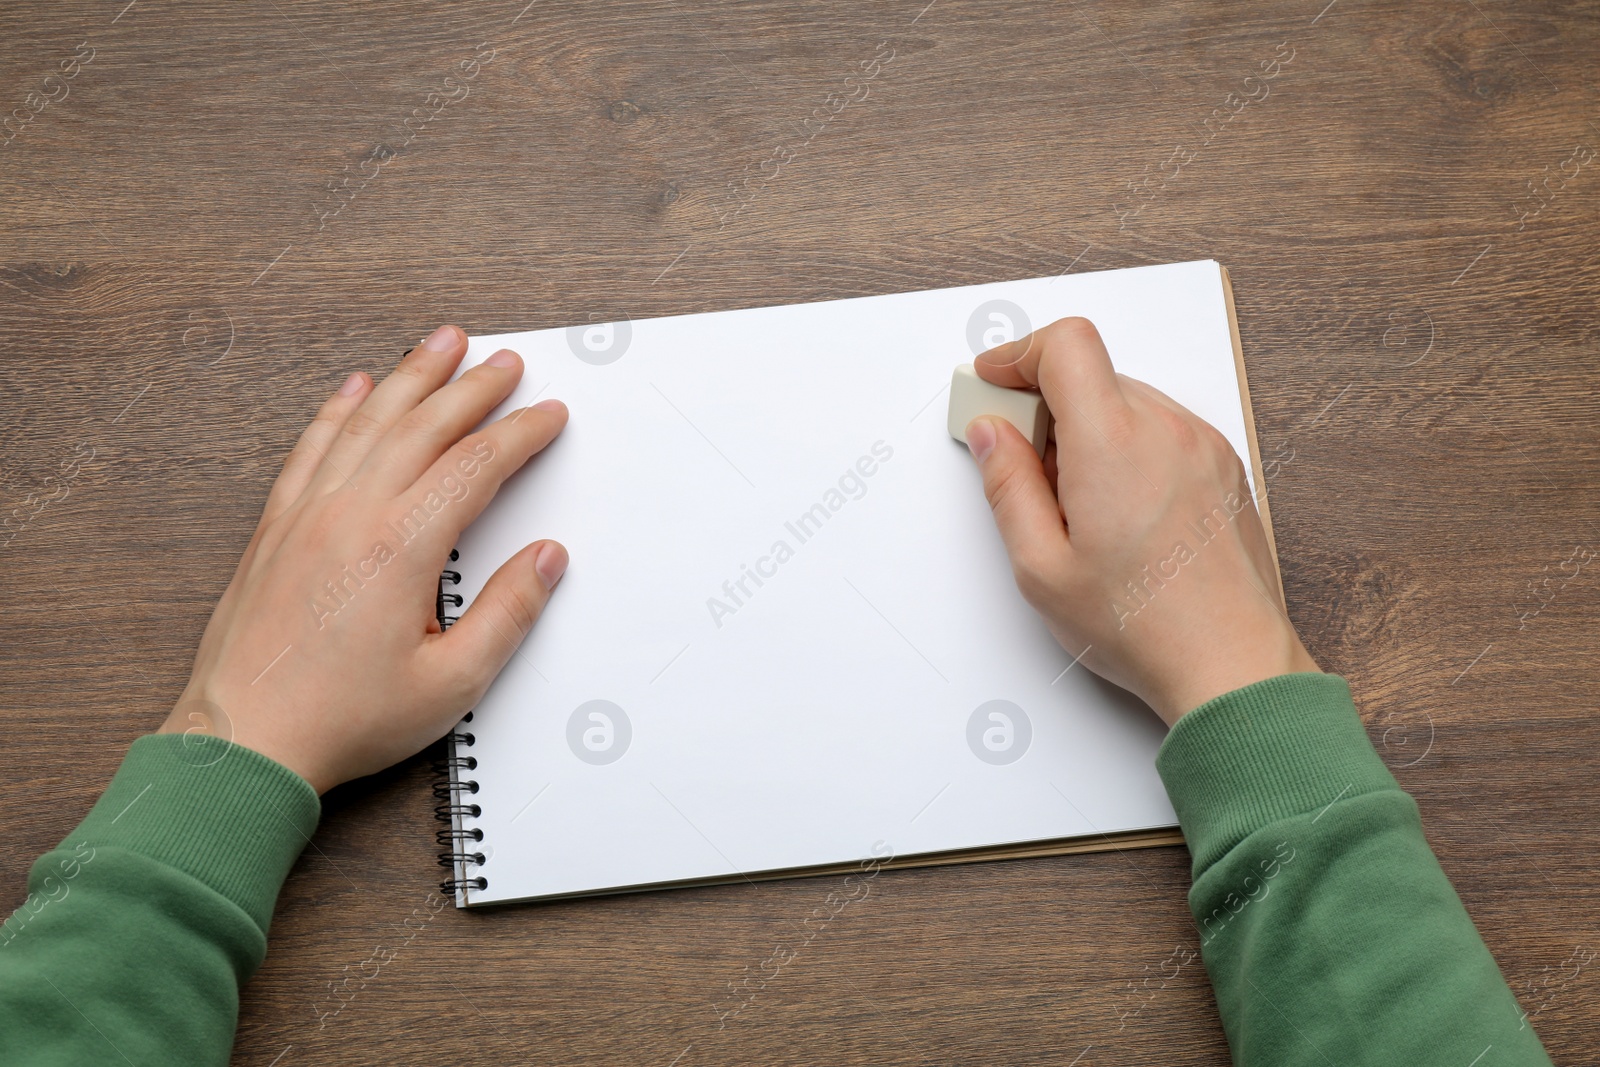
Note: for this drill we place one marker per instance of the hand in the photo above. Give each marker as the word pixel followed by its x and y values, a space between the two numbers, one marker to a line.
pixel 325 653
pixel 1143 551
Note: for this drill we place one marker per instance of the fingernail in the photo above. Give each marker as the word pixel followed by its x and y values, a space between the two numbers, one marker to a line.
pixel 550 564
pixel 441 340
pixel 503 358
pixel 550 405
pixel 980 438
pixel 352 385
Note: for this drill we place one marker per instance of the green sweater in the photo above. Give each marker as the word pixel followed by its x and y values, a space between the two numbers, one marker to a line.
pixel 1328 928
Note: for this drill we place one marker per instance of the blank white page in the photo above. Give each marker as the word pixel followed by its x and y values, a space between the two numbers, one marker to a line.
pixel 837 704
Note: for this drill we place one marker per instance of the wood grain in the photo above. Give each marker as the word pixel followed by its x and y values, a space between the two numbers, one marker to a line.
pixel 1420 330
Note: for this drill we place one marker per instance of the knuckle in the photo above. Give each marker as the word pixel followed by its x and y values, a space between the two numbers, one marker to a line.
pixel 1002 487
pixel 1035 576
pixel 363 425
pixel 1185 434
pixel 422 423
pixel 298 455
pixel 412 371
pixel 519 609
pixel 323 428
pixel 1230 466
pixel 332 411
pixel 1215 440
pixel 326 422
pixel 1119 425
pixel 1072 330
pixel 1204 441
pixel 472 453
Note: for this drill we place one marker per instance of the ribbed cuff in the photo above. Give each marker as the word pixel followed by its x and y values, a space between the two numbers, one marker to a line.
pixel 221 813
pixel 1279 748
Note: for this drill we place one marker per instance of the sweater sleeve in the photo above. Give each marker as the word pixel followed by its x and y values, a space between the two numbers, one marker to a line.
pixel 1329 930
pixel 140 927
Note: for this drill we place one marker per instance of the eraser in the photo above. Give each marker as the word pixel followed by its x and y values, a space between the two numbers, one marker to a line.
pixel 971 396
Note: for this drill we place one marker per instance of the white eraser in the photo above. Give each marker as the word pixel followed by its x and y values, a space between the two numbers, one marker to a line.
pixel 971 396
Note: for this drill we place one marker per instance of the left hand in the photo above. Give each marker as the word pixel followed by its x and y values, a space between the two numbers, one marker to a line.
pixel 324 653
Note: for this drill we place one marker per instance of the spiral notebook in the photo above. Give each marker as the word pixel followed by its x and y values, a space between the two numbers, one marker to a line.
pixel 789 641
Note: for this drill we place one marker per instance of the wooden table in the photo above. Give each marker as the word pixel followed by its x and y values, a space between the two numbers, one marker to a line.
pixel 215 211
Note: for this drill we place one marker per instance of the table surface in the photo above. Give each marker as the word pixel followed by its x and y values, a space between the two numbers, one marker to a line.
pixel 223 210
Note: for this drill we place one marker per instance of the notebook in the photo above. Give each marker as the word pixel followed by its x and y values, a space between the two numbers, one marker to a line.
pixel 789 641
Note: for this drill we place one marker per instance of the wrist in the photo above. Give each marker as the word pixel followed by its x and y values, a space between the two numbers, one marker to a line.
pixel 203 723
pixel 1214 676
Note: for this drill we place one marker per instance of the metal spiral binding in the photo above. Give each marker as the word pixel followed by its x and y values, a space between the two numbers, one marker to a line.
pixel 448 599
pixel 449 787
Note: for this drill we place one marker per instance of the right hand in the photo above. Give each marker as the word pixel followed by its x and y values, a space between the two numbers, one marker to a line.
pixel 1136 537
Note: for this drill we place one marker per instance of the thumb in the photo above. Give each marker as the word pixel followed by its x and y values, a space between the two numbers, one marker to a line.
pixel 489 632
pixel 1019 493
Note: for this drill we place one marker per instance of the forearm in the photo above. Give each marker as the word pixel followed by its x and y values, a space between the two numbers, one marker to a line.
pixel 139 930
pixel 1329 930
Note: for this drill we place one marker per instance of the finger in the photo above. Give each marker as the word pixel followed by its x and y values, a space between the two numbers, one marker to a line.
pixel 1024 504
pixel 308 453
pixel 1066 361
pixel 423 370
pixel 460 483
pixel 422 435
pixel 488 633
